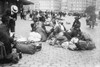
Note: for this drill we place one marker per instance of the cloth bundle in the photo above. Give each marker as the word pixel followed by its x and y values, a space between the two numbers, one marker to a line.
pixel 34 36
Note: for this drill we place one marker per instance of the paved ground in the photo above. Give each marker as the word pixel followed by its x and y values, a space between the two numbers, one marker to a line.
pixel 51 56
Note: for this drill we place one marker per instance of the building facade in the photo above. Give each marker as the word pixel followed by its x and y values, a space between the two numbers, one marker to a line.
pixel 76 5
pixel 50 5
pixel 62 5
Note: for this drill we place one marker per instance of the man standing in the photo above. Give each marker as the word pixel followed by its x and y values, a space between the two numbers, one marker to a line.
pixel 13 18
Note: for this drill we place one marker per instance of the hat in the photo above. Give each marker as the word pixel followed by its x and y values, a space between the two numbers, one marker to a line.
pixel 14 8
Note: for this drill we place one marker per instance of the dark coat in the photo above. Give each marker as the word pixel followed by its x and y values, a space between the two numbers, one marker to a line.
pixel 13 16
pixel 5 19
pixel 5 38
pixel 76 24
pixel 42 19
pixel 76 32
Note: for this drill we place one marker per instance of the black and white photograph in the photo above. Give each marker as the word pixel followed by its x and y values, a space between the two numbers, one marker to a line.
pixel 49 33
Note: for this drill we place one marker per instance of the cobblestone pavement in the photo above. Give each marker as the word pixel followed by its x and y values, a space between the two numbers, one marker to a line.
pixel 51 56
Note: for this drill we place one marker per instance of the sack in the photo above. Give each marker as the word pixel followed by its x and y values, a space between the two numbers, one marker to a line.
pixel 74 40
pixel 28 49
pixel 90 45
pixel 72 46
pixel 3 53
pixel 86 45
pixel 65 45
pixel 82 45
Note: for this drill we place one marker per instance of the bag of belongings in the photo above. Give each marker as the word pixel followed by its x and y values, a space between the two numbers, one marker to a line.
pixel 34 36
pixel 86 45
pixel 74 40
pixel 29 48
pixel 65 44
pixel 72 46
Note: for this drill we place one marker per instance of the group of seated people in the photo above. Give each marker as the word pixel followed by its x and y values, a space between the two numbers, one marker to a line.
pixel 58 32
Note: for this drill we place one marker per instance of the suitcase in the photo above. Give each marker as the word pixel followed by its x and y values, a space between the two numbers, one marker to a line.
pixel 26 48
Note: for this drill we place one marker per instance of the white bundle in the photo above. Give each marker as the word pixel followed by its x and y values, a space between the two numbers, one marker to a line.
pixel 69 45
pixel 72 46
pixel 21 39
pixel 34 36
pixel 74 40
pixel 65 44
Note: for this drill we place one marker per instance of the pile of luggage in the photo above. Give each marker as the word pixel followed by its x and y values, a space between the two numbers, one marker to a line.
pixel 29 45
pixel 75 43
